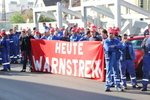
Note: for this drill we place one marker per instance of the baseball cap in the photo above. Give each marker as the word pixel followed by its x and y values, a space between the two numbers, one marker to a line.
pixel 99 27
pixel 3 33
pixel 82 28
pixel 24 30
pixel 115 32
pixel 74 25
pixel 117 29
pixel 92 30
pixel 77 31
pixel 61 29
pixel 94 26
pixel 111 31
pixel 73 30
pixel 88 22
pixel 52 30
pixel 37 32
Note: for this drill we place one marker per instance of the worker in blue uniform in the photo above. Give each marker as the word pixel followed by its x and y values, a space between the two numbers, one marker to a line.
pixel 127 62
pixel 37 35
pixel 52 36
pixel 115 37
pixel 82 33
pixel 14 40
pixel 5 48
pixel 0 52
pixel 60 33
pixel 45 35
pixel 18 35
pixel 15 32
pixel 146 63
pixel 45 27
pixel 74 37
pixel 65 36
pixel 112 56
pixel 86 38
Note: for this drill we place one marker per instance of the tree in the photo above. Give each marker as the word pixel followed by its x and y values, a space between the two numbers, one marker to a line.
pixel 44 19
pixel 17 18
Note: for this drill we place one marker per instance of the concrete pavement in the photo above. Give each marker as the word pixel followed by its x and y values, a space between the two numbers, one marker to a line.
pixel 16 85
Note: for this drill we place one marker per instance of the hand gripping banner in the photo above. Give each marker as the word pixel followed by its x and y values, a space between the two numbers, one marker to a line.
pixel 81 59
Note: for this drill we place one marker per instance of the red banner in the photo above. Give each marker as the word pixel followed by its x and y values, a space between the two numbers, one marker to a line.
pixel 80 59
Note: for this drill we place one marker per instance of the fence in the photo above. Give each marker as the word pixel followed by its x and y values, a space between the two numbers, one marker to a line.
pixel 6 25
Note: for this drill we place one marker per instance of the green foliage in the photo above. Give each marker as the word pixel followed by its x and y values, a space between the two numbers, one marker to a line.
pixel 44 19
pixel 17 18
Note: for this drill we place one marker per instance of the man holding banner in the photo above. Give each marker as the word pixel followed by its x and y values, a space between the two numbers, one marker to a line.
pixel 111 48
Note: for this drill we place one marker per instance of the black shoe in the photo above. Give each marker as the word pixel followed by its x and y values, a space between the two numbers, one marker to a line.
pixel 23 70
pixel 12 62
pixel 124 87
pixel 31 70
pixel 9 69
pixel 16 62
pixel 112 85
pixel 136 87
pixel 120 89
pixel 21 62
pixel 107 90
pixel 3 70
pixel 143 89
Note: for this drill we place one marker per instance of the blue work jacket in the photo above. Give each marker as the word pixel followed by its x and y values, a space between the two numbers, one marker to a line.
pixel 5 45
pixel 109 50
pixel 53 37
pixel 60 34
pixel 74 38
pixel 14 40
pixel 84 39
pixel 131 51
pixel 44 37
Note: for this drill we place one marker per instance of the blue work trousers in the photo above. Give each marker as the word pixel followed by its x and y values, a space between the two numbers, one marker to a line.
pixel 112 67
pixel 129 66
pixel 13 52
pixel 5 60
pixel 146 70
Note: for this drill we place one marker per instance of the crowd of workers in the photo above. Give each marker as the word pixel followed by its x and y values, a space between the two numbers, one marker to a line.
pixel 119 52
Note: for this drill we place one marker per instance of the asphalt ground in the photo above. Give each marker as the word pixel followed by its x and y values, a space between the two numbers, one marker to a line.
pixel 16 85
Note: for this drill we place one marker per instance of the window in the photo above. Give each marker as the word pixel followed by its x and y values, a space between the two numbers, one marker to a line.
pixel 30 3
pixel 141 3
pixel 137 44
pixel 13 2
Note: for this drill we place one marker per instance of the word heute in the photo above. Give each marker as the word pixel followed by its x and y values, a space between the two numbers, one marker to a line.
pixel 69 48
